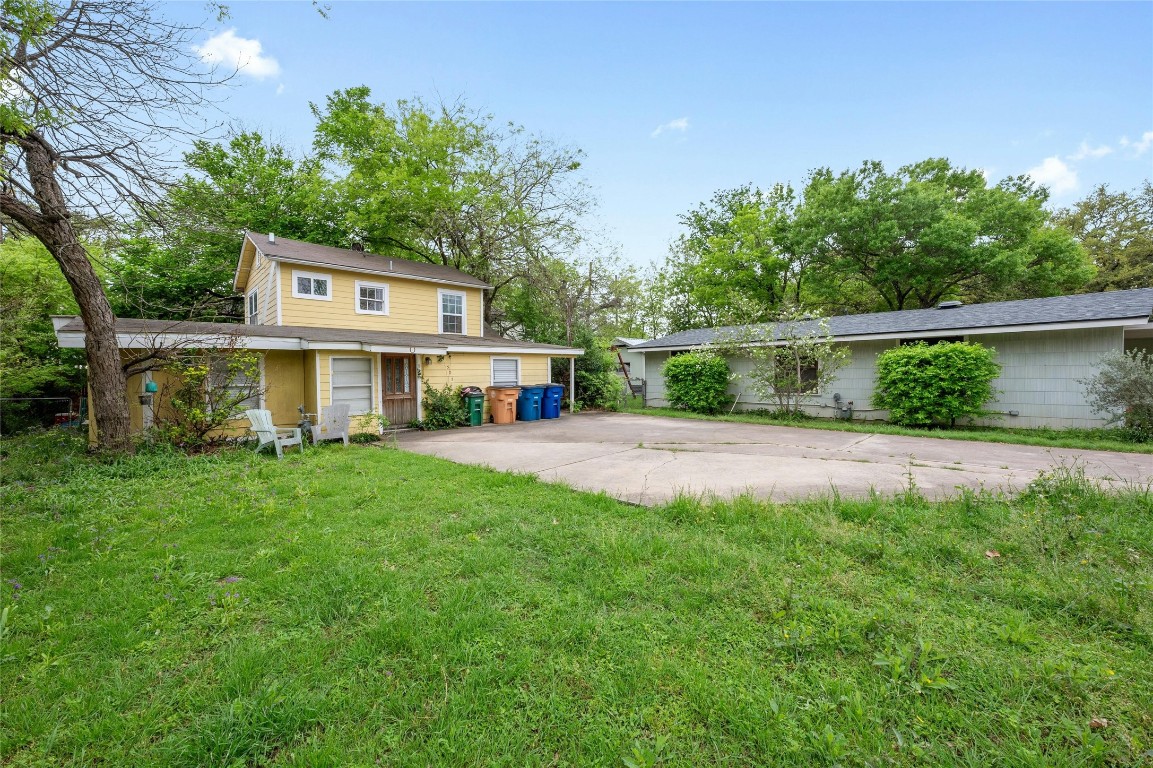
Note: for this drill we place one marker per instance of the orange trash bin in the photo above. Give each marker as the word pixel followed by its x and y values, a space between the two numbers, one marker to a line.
pixel 502 404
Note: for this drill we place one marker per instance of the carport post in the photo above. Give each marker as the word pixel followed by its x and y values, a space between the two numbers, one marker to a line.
pixel 571 384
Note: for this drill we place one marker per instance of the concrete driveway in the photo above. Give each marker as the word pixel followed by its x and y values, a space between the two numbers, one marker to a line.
pixel 651 459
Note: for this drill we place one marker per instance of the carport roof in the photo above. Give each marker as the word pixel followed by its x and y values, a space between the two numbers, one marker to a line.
pixel 1111 308
pixel 132 333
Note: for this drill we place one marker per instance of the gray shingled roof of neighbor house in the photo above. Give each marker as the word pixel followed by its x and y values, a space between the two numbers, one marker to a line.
pixel 359 261
pixel 133 327
pixel 1135 305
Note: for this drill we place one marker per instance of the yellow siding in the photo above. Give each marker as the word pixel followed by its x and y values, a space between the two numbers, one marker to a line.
pixel 263 279
pixel 414 306
pixel 465 369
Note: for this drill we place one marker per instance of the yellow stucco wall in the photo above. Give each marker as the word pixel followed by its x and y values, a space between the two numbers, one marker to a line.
pixel 413 305
pixel 284 385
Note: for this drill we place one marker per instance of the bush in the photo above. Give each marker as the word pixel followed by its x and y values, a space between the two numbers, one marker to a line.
pixel 598 385
pixel 698 382
pixel 923 384
pixel 443 408
pixel 1123 390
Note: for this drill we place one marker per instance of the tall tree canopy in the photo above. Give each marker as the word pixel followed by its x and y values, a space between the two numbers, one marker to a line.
pixel 867 240
pixel 930 230
pixel 448 185
pixel 179 263
pixel 95 90
pixel 1116 231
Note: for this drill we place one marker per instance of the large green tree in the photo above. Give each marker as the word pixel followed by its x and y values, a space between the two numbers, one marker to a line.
pixel 179 262
pixel 448 185
pixel 739 249
pixel 95 93
pixel 1116 230
pixel 930 231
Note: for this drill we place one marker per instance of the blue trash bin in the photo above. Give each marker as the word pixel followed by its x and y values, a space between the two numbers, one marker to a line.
pixel 528 403
pixel 550 406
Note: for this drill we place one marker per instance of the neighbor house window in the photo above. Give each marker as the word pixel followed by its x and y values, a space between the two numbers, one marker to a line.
pixel 789 378
pixel 451 312
pixel 254 308
pixel 310 285
pixel 352 383
pixel 371 298
pixel 506 372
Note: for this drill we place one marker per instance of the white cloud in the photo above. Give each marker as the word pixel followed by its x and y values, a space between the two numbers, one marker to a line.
pixel 1085 151
pixel 280 89
pixel 680 124
pixel 1142 145
pixel 246 54
pixel 1054 174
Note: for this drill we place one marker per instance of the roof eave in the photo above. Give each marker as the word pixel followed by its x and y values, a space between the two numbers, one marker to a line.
pixel 1122 322
pixel 393 273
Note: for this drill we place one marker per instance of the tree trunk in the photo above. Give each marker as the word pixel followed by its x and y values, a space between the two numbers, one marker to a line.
pixel 52 226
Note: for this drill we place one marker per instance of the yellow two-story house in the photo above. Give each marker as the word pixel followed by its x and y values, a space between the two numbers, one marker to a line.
pixel 335 325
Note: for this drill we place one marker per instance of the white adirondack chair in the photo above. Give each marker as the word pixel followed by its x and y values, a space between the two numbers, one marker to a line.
pixel 280 437
pixel 333 424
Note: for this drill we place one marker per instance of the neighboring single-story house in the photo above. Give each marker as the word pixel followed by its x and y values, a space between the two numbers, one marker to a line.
pixel 1043 345
pixel 631 361
pixel 336 325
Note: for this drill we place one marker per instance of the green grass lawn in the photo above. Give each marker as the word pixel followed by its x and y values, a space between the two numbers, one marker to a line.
pixel 1084 439
pixel 366 606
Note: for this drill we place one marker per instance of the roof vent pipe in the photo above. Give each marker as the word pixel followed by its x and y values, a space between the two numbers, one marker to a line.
pixel 390 265
pixel 271 239
pixel 950 304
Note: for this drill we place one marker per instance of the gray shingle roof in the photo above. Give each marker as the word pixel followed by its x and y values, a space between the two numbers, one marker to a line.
pixel 358 261
pixel 1135 305
pixel 308 333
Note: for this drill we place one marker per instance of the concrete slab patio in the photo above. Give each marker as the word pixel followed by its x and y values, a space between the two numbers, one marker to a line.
pixel 651 459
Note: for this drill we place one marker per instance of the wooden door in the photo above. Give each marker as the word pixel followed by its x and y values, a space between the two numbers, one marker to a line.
pixel 398 388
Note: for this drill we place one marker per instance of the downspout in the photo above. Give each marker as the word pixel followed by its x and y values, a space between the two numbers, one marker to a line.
pixel 572 385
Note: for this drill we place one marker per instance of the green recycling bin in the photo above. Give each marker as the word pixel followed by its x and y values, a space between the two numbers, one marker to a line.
pixel 475 403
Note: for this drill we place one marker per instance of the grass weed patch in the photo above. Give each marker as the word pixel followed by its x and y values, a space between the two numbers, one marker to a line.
pixel 364 605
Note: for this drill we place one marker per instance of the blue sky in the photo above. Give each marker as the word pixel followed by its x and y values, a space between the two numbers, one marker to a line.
pixel 673 101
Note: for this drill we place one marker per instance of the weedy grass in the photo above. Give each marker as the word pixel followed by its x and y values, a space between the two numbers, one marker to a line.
pixel 1103 439
pixel 369 606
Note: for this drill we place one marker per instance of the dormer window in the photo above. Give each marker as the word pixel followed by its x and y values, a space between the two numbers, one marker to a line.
pixel 451 311
pixel 311 285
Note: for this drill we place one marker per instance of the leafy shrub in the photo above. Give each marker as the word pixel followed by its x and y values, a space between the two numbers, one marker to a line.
pixel 922 384
pixel 697 381
pixel 443 408
pixel 597 383
pixel 1123 390
pixel 207 389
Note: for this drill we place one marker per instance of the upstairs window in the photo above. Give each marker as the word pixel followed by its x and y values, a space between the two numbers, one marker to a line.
pixel 451 312
pixel 371 298
pixel 253 317
pixel 311 285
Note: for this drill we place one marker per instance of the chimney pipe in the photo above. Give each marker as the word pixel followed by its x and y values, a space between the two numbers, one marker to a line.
pixel 271 239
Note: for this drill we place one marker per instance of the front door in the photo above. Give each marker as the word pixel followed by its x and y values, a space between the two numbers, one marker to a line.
pixel 398 387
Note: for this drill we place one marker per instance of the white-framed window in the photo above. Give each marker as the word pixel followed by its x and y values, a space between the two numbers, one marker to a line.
pixel 351 383
pixel 226 382
pixel 371 298
pixel 452 311
pixel 505 371
pixel 311 285
pixel 253 314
